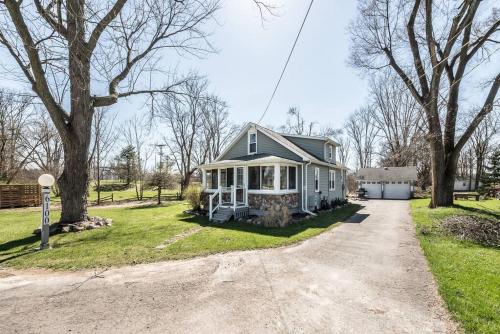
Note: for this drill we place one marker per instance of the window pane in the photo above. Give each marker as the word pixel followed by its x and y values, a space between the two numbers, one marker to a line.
pixel 292 178
pixel 239 177
pixel 209 179
pixel 267 177
pixel 253 138
pixel 316 179
pixel 214 179
pixel 254 178
pixel 230 177
pixel 283 185
pixel 253 148
pixel 223 177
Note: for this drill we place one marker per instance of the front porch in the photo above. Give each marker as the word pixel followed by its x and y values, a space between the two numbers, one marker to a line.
pixel 236 186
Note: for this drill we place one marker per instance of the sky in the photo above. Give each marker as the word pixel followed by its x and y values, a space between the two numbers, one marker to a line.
pixel 251 54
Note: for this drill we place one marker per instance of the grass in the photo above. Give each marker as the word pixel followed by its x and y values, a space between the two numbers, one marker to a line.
pixel 136 232
pixel 468 274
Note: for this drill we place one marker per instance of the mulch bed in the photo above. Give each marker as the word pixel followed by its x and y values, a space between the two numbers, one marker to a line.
pixel 483 231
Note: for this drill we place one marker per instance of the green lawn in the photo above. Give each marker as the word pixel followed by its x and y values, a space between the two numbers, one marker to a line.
pixel 136 232
pixel 468 274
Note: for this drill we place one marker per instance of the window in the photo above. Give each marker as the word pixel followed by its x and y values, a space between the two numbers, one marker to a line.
pixel 212 179
pixel 332 180
pixel 330 152
pixel 316 179
pixel 254 178
pixel 267 177
pixel 283 178
pixel 252 142
pixel 288 178
pixel 292 178
pixel 227 177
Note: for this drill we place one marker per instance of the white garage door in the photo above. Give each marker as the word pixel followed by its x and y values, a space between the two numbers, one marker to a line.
pixel 397 190
pixel 374 189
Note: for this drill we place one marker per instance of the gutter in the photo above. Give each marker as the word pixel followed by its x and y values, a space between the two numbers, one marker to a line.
pixel 304 189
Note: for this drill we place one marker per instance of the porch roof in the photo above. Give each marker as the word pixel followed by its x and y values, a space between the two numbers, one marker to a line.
pixel 253 159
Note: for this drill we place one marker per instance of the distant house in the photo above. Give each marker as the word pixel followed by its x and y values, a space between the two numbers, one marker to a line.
pixel 465 183
pixel 261 168
pixel 387 182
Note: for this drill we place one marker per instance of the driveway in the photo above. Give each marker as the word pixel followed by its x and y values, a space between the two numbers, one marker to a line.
pixel 365 276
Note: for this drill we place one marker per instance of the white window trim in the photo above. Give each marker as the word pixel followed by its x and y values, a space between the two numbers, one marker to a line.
pixel 332 174
pixel 248 146
pixel 330 152
pixel 316 174
pixel 288 178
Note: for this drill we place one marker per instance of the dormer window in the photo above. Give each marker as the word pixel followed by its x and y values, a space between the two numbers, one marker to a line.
pixel 252 142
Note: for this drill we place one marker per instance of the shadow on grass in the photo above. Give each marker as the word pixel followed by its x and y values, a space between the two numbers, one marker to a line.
pixel 18 243
pixel 323 220
pixel 483 210
pixel 153 205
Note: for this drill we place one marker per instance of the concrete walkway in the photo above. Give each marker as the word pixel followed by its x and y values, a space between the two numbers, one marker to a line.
pixel 365 276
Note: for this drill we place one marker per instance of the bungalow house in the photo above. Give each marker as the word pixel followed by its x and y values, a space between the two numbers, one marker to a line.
pixel 387 182
pixel 261 168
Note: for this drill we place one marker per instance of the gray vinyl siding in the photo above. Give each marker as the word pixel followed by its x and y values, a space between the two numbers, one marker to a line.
pixel 313 197
pixel 264 145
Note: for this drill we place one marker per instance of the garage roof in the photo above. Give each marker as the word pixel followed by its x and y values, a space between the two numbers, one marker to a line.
pixel 387 174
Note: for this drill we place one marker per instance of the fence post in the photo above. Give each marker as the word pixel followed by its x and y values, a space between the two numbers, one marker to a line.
pixel 112 197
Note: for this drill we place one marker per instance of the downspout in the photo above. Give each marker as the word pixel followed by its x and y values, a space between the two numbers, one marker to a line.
pixel 304 188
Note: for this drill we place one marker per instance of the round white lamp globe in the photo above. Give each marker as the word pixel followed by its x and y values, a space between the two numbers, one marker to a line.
pixel 46 180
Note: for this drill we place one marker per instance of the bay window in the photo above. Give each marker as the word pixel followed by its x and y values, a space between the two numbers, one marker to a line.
pixel 267 178
pixel 288 178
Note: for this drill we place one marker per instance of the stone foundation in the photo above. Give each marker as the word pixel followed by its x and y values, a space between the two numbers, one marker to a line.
pixel 263 202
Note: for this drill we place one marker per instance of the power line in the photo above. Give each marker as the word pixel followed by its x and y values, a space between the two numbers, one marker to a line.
pixel 287 61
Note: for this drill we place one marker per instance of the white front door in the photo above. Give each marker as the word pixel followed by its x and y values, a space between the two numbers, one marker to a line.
pixel 240 184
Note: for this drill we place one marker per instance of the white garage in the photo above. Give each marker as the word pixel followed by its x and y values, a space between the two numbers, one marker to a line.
pixel 387 182
pixel 373 189
pixel 397 190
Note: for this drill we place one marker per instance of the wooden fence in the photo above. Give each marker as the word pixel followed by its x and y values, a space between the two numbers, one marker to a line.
pixel 20 195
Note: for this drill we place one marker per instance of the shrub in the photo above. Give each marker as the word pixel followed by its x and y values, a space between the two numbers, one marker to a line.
pixel 112 187
pixel 193 196
pixel 276 216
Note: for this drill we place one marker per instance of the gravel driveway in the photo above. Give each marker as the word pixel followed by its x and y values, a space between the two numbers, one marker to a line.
pixel 365 276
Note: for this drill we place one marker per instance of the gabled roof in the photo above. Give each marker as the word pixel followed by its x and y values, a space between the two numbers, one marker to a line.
pixel 280 138
pixel 388 174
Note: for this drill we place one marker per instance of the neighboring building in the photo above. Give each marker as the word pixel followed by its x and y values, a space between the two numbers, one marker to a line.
pixel 387 182
pixel 261 168
pixel 465 183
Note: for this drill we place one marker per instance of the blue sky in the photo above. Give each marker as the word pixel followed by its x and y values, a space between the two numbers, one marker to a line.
pixel 251 56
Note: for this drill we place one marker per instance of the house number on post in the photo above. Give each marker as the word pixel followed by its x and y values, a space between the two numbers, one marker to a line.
pixel 46 181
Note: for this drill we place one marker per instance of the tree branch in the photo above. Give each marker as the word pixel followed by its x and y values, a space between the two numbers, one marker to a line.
pixel 106 20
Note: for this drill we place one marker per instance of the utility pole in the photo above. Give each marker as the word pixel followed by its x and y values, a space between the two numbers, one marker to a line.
pixel 160 175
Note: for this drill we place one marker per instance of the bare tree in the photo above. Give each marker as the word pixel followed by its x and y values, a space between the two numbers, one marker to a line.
pixel 104 138
pixel 137 133
pixel 65 46
pixel 363 132
pixel 482 142
pixel 47 148
pixel 217 130
pixel 16 147
pixel 399 119
pixel 438 44
pixel 184 117
pixel 296 124
pixel 344 150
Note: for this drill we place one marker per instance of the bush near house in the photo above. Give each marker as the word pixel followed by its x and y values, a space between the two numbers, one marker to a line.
pixel 466 269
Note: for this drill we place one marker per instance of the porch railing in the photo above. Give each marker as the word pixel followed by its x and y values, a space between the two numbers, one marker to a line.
pixel 211 202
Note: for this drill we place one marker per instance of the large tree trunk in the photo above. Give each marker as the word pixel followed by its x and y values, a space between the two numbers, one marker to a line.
pixel 73 183
pixel 75 177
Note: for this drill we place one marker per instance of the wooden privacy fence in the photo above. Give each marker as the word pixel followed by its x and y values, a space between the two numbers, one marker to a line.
pixel 12 196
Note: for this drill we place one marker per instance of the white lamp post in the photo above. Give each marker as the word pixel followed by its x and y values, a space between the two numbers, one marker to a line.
pixel 46 181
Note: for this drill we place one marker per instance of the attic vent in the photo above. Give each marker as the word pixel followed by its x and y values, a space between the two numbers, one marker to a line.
pixel 386 168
